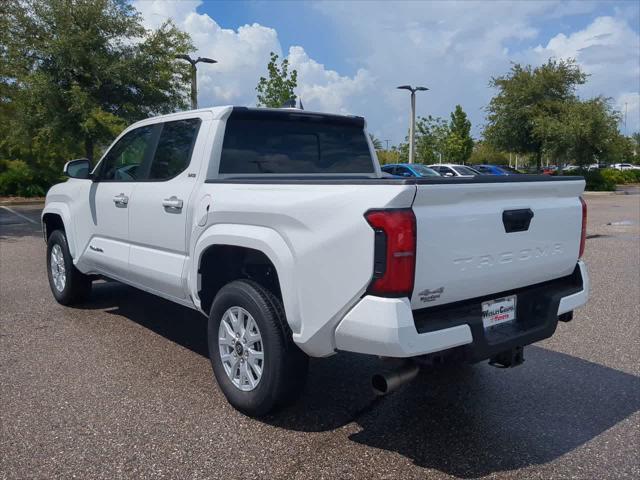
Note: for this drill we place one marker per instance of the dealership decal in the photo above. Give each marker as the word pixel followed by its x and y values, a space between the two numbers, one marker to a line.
pixel 499 313
pixel 431 295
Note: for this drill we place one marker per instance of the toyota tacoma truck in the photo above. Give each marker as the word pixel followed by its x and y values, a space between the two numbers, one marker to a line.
pixel 279 226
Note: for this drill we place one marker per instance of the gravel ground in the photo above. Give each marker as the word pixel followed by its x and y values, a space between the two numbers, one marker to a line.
pixel 122 388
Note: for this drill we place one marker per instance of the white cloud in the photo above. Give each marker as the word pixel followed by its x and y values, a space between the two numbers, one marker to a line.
pixel 243 55
pixel 452 47
pixel 609 51
pixel 605 43
pixel 326 90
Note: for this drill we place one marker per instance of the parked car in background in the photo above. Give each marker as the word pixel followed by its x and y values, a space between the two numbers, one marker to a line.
pixel 496 170
pixel 409 170
pixel 452 170
pixel 625 166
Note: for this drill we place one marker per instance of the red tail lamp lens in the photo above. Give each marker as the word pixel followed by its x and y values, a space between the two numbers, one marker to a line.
pixel 395 252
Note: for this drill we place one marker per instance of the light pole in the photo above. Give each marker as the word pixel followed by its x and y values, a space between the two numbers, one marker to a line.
pixel 412 124
pixel 194 75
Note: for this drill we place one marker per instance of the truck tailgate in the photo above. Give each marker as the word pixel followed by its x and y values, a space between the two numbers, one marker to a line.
pixel 467 246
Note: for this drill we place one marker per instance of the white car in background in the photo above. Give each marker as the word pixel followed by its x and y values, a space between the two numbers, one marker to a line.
pixel 625 166
pixel 453 170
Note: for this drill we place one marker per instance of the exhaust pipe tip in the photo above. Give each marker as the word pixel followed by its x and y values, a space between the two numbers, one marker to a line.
pixel 379 384
pixel 387 382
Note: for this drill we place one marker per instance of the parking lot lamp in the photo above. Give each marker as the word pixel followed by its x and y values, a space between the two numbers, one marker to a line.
pixel 412 123
pixel 194 76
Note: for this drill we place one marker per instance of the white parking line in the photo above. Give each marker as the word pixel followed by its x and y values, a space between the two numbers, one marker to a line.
pixel 30 220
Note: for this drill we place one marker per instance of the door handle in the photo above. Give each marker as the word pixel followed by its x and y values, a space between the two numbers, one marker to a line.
pixel 173 202
pixel 121 200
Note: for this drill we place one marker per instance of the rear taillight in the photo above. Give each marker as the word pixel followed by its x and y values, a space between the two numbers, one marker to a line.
pixel 583 234
pixel 394 252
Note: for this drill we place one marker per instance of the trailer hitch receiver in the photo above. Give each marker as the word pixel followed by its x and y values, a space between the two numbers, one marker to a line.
pixel 509 358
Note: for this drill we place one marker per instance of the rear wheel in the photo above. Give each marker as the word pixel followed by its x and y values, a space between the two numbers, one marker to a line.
pixel 68 284
pixel 254 359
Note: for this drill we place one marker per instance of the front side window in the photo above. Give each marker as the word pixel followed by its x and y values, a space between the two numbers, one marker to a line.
pixel 425 171
pixel 404 172
pixel 123 163
pixel 268 143
pixel 173 153
pixel 466 170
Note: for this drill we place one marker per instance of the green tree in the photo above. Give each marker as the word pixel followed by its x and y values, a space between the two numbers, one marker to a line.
pixel 377 144
pixel 635 148
pixel 459 144
pixel 431 139
pixel 527 97
pixel 583 132
pixel 274 91
pixel 484 153
pixel 75 72
pixel 389 156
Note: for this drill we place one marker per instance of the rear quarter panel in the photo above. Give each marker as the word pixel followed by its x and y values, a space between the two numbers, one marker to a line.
pixel 329 243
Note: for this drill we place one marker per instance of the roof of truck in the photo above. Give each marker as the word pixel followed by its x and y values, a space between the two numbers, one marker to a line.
pixel 223 111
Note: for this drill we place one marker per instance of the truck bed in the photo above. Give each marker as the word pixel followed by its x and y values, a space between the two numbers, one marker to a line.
pixel 362 180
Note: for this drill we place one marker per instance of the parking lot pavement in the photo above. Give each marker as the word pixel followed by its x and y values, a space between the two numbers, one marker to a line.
pixel 122 388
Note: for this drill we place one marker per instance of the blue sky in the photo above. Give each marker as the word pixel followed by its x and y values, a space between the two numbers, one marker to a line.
pixel 350 56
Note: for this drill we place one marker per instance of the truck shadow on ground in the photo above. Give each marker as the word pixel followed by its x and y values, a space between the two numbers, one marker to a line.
pixel 465 421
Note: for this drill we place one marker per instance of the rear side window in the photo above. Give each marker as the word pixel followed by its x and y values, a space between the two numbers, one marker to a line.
pixel 173 153
pixel 294 144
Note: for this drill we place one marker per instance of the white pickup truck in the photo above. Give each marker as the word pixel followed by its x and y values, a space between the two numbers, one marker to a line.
pixel 280 227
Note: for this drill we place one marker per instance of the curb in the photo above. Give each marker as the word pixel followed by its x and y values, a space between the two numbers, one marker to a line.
pixel 601 194
pixel 21 201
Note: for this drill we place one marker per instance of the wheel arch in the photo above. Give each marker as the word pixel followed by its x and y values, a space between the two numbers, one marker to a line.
pixel 56 216
pixel 223 249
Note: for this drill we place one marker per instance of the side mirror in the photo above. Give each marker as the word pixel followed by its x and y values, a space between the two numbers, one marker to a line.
pixel 448 174
pixel 77 168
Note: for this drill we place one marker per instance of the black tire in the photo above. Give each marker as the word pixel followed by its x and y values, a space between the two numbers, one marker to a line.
pixel 77 286
pixel 285 365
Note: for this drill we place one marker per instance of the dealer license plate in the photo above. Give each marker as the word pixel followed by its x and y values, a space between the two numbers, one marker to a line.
pixel 500 310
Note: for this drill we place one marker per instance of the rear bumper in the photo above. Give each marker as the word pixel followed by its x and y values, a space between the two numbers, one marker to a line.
pixel 388 327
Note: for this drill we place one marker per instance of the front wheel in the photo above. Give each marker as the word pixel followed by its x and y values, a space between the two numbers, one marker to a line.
pixel 254 359
pixel 68 284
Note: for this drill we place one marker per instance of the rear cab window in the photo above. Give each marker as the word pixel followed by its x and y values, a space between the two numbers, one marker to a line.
pixel 272 142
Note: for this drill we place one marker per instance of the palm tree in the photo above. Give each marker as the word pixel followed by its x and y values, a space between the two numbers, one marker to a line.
pixel 377 144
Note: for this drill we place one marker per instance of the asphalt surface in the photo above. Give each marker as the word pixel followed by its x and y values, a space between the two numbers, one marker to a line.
pixel 122 388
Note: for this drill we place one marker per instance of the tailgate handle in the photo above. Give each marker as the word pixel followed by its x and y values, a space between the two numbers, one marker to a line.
pixel 517 220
